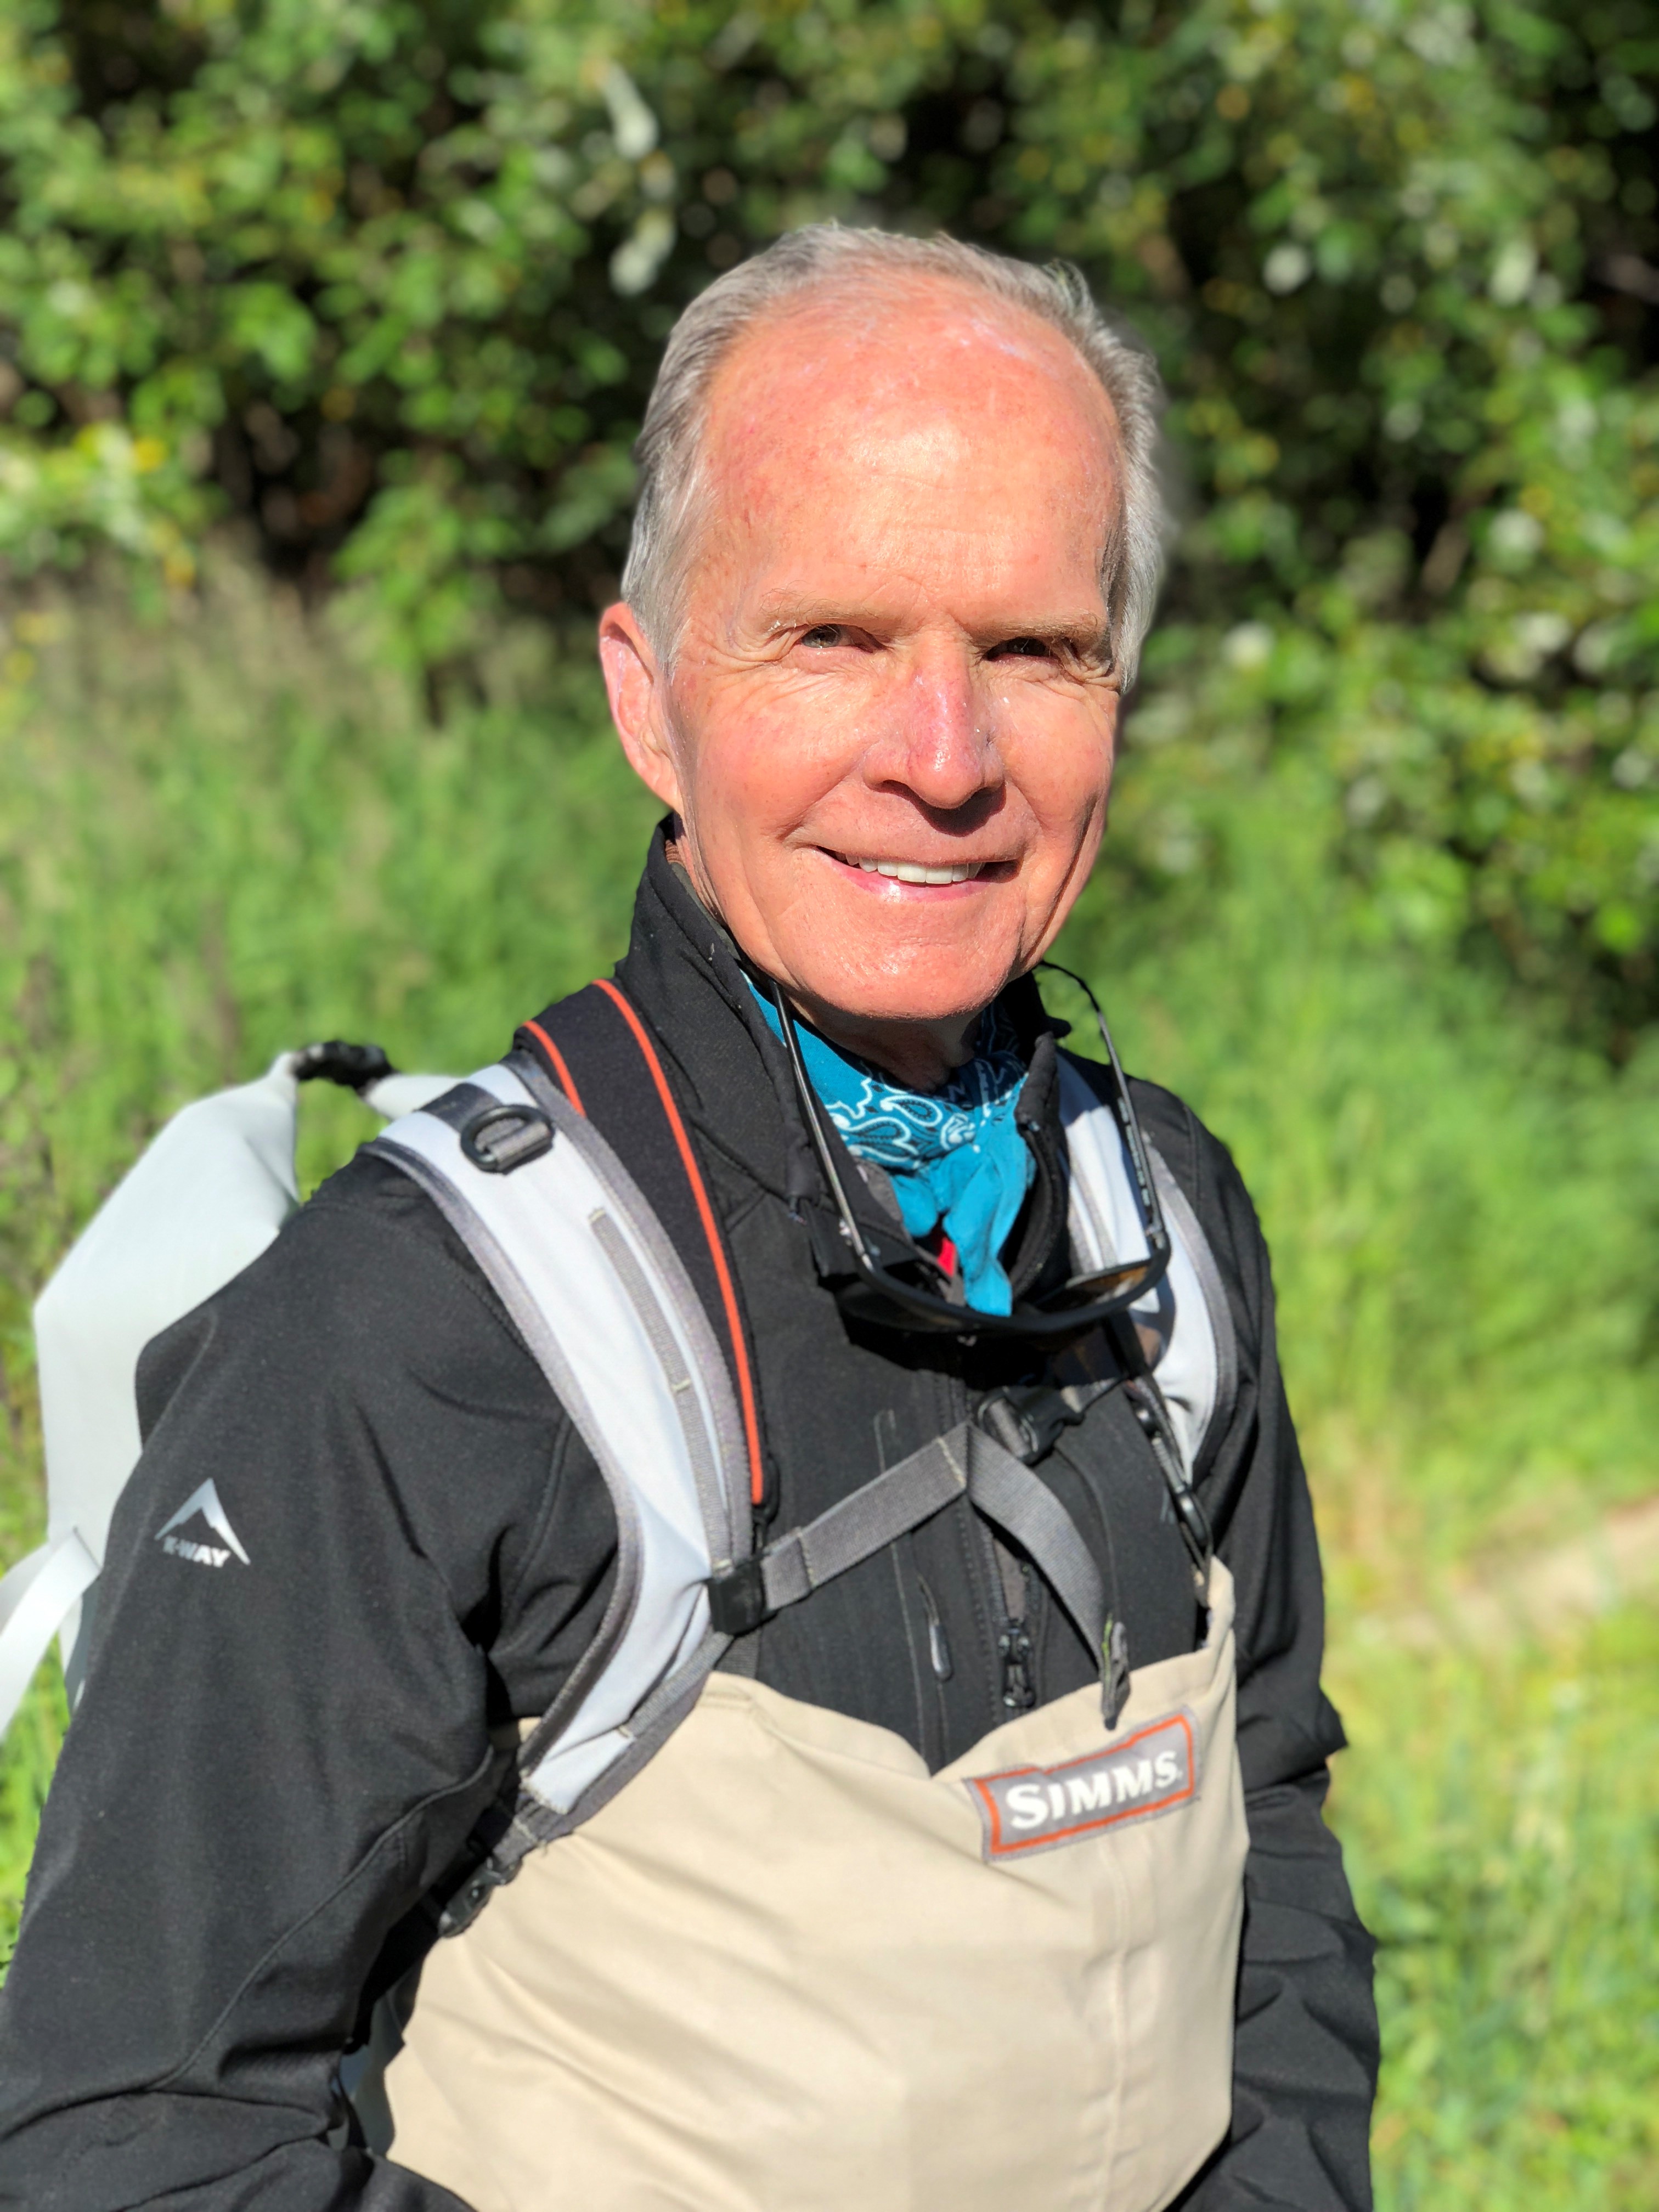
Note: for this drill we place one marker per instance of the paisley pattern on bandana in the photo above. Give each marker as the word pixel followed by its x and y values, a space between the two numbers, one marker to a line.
pixel 955 1155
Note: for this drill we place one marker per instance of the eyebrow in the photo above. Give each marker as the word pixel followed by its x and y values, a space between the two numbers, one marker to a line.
pixel 1090 637
pixel 1091 634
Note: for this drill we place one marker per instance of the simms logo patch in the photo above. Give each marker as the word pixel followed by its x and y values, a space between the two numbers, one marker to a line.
pixel 1032 1809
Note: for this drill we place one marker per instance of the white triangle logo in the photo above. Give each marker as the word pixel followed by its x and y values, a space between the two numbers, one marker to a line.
pixel 205 1501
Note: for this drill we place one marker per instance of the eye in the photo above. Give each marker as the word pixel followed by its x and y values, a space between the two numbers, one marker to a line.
pixel 824 634
pixel 1023 648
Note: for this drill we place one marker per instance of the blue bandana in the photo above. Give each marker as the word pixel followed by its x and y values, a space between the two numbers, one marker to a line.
pixel 954 1154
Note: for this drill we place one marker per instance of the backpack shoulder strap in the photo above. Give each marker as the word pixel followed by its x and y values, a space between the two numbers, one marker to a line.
pixel 1193 1352
pixel 606 1306
pixel 597 1048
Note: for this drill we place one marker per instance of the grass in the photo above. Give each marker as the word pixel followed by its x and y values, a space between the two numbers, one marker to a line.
pixel 1464 1216
pixel 1500 1812
pixel 227 837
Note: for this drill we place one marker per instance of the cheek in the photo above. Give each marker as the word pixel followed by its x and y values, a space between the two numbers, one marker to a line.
pixel 1065 779
pixel 760 773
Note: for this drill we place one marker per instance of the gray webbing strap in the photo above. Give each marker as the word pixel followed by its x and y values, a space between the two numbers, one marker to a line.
pixel 457 1105
pixel 1023 1506
pixel 966 1460
pixel 866 1522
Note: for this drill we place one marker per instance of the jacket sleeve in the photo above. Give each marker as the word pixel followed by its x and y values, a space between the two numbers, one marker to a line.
pixel 284 1740
pixel 1305 2052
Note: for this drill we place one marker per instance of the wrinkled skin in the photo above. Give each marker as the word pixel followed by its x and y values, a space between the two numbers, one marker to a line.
pixel 893 649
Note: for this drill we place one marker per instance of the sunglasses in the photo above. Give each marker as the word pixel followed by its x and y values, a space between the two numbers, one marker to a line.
pixel 872 1287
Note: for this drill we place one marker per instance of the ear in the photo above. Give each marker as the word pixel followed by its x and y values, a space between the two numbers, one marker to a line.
pixel 637 689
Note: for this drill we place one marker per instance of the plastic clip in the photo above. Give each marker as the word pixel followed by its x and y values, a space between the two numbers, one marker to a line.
pixel 737 1597
pixel 1027 1421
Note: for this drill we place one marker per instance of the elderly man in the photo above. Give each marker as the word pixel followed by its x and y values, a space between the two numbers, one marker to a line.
pixel 986 1867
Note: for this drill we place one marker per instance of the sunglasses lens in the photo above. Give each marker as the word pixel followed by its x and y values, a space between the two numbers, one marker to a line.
pixel 1121 1285
pixel 883 1300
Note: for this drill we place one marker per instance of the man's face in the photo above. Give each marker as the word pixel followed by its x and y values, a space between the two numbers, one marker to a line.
pixel 887 731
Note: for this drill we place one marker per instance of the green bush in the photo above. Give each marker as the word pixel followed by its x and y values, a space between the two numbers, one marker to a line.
pixel 388 277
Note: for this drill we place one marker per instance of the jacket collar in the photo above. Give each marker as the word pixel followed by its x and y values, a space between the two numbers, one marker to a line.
pixel 682 971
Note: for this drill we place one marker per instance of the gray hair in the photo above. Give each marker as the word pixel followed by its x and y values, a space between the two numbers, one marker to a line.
pixel 670 447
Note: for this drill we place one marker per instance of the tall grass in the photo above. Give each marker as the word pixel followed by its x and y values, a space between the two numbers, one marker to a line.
pixel 1500 1812
pixel 1464 1215
pixel 227 837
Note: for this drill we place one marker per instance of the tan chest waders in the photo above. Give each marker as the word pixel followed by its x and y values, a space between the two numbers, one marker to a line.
pixel 787 1970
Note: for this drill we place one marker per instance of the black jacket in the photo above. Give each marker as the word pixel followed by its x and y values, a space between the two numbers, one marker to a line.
pixel 271 1766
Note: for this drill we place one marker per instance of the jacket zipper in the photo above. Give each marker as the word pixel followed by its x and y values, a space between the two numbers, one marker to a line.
pixel 1017 1689
pixel 1014 1650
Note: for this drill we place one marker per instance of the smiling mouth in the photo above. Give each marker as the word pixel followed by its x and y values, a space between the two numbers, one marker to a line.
pixel 914 871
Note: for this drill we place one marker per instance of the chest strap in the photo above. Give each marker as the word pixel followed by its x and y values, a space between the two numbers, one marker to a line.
pixel 965 1461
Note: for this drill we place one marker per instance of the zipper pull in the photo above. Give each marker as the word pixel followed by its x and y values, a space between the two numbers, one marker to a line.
pixel 1014 1649
pixel 938 1644
pixel 1114 1675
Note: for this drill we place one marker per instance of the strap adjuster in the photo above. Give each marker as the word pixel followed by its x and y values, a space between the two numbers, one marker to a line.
pixel 470 1899
pixel 736 1597
pixel 505 1135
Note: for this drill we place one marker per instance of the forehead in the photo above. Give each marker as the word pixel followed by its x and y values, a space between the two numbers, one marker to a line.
pixel 908 401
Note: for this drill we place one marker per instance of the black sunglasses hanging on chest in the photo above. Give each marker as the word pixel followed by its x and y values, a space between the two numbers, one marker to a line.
pixel 880 1292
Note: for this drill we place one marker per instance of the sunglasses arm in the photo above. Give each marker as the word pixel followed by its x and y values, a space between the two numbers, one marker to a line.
pixel 810 1108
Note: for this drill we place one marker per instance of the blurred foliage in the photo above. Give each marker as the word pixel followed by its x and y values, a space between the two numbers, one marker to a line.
pixel 1499 1813
pixel 389 277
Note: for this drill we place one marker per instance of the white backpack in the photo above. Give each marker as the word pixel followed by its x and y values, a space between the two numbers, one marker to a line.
pixel 201 1203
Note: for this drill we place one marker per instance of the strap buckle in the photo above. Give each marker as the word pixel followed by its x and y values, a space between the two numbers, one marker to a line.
pixel 1146 1402
pixel 353 1067
pixel 1026 1421
pixel 470 1899
pixel 736 1597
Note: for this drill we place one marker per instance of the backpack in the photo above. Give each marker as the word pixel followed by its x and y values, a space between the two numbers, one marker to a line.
pixel 605 1302
pixel 201 1203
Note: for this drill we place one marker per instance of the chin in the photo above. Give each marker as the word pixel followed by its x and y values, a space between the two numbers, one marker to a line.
pixel 937 993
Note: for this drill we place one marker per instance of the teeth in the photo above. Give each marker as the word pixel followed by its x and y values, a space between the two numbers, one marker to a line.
pixel 907 872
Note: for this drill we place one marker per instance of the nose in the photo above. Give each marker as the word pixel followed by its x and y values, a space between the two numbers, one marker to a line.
pixel 939 745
